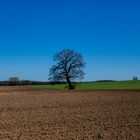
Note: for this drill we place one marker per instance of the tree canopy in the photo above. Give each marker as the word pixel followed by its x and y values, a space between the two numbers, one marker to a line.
pixel 69 67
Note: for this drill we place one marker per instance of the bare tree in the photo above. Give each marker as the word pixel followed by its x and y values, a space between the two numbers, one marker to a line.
pixel 69 67
pixel 14 79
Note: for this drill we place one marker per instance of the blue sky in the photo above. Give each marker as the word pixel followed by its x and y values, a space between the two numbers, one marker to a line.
pixel 106 33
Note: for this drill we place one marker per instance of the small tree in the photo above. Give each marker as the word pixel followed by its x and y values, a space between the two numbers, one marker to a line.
pixel 135 78
pixel 14 79
pixel 69 67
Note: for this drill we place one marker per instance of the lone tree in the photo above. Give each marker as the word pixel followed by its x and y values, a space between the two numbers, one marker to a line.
pixel 69 67
pixel 135 78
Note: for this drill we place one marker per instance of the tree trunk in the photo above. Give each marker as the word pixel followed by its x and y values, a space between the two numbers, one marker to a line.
pixel 69 83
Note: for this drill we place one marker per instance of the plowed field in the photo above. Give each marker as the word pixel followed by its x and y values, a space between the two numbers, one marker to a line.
pixel 31 114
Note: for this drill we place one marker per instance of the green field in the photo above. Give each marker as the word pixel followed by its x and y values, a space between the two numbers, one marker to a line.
pixel 96 85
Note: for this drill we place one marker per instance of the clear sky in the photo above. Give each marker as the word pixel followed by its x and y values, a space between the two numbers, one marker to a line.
pixel 105 32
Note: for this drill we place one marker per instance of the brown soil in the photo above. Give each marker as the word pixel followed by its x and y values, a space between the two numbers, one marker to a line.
pixel 30 114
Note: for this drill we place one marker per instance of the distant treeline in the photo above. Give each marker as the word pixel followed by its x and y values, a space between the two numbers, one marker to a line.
pixel 99 81
pixel 105 81
pixel 28 82
pixel 22 83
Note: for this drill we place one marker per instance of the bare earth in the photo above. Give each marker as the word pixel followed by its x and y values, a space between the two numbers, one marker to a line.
pixel 29 114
